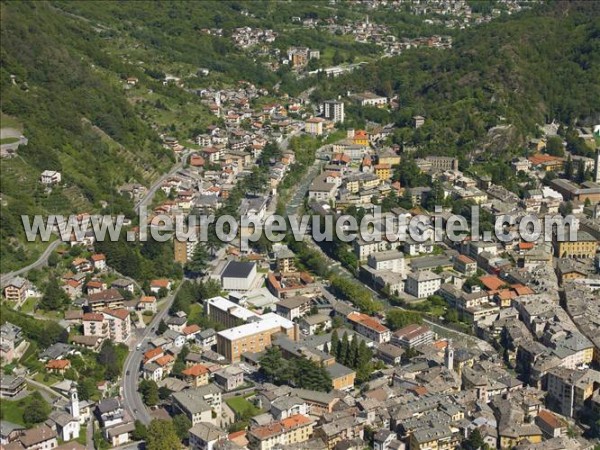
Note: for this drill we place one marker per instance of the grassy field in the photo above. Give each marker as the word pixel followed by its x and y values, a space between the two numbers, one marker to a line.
pixel 242 407
pixel 12 411
pixel 9 122
pixel 9 140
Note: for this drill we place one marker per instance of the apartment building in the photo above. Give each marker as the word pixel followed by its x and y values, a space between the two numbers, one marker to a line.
pixel 226 312
pixel 293 307
pixel 292 430
pixel 423 284
pixel 113 324
pixel 412 336
pixel 333 110
pixel 571 388
pixel 16 290
pixel 254 336
pixel 369 327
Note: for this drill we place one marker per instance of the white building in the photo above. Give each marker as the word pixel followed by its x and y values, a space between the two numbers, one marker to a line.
pixel 423 284
pixel 238 276
pixel 392 260
pixel 333 110
pixel 51 177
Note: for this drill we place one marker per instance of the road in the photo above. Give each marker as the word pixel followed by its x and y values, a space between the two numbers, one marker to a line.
pixel 293 208
pixel 41 261
pixel 147 198
pixel 132 369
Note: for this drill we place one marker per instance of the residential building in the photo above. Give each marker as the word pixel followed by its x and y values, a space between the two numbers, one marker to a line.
pixel 204 436
pixel 230 378
pixel 50 177
pixel 113 324
pixel 423 284
pixel 369 327
pixel 314 126
pixel 11 386
pixel 392 260
pixel 291 430
pixel 198 404
pixel 390 353
pixel 253 337
pixel 412 336
pixel 570 388
pixel 196 375
pixel 333 110
pixel 110 298
pixel 16 290
pixel 293 307
pixel 342 377
pixel 436 437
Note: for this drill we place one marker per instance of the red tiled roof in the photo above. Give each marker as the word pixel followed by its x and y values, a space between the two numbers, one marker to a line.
pixel 195 370
pixel 491 282
pixel 190 329
pixel 93 317
pixel 58 364
pixel 118 313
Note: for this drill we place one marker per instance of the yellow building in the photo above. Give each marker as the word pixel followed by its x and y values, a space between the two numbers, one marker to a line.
pixel 314 125
pixel 392 159
pixel 510 439
pixel 196 375
pixel 361 137
pixel 292 430
pixel 253 337
pixel 439 437
pixel 584 247
pixel 383 171
pixel 342 377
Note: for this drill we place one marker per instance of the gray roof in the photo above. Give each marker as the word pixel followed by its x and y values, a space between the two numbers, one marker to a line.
pixel 237 269
pixel 207 432
pixel 336 370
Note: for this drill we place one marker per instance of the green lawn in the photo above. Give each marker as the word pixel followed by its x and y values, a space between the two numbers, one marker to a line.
pixel 9 122
pixel 28 305
pixel 9 140
pixel 12 411
pixel 242 407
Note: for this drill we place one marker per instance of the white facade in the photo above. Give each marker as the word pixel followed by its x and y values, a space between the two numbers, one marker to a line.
pixel 51 177
pixel 423 284
pixel 334 111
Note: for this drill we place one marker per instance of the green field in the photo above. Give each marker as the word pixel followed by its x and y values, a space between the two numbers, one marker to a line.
pixel 12 411
pixel 9 140
pixel 242 407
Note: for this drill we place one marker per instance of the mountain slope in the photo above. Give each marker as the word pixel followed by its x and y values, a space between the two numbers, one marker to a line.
pixel 63 101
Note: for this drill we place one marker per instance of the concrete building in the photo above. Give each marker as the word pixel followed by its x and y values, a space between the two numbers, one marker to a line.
pixel 570 389
pixel 204 436
pixel 333 110
pixel 294 429
pixel 369 327
pixel 412 336
pixel 293 307
pixel 113 324
pixel 254 336
pixel 423 284
pixel 238 276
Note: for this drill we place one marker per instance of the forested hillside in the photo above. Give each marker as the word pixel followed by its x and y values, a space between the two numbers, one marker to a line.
pixel 521 71
pixel 75 117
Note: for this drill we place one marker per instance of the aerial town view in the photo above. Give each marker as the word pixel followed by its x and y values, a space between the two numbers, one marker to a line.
pixel 300 225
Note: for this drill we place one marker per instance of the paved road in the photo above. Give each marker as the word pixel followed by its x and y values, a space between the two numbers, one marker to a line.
pixel 41 261
pixel 132 369
pixel 45 388
pixel 157 184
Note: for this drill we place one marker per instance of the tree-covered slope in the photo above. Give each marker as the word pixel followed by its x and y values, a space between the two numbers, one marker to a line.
pixel 75 117
pixel 525 70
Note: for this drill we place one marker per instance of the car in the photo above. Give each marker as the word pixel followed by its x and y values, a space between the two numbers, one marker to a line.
pixel 127 373
pixel 139 346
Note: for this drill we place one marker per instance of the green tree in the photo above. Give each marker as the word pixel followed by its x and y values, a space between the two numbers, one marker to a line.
pixel 162 436
pixel 55 298
pixel 162 327
pixel 199 261
pixel 397 318
pixel 149 391
pixel 141 432
pixel 555 146
pixel 475 441
pixel 37 410
pixel 182 426
pixel 334 342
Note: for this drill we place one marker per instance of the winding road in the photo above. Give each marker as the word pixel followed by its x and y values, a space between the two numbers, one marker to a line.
pixel 131 371
pixel 41 261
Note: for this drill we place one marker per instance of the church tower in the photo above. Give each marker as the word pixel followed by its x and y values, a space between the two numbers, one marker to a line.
pixel 449 356
pixel 74 400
